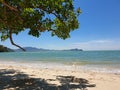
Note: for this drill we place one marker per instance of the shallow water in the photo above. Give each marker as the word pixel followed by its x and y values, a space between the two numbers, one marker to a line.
pixel 105 61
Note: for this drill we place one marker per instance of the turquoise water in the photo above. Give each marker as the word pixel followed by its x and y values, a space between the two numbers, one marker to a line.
pixel 98 59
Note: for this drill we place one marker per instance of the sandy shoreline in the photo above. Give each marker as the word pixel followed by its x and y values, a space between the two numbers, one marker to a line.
pixel 55 79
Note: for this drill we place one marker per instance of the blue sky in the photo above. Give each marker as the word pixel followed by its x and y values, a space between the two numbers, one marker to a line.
pixel 99 29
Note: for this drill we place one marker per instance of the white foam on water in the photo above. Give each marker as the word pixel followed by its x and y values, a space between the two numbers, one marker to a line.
pixel 63 66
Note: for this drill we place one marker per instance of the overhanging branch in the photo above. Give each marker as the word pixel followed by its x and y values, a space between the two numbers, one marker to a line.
pixel 11 40
pixel 10 7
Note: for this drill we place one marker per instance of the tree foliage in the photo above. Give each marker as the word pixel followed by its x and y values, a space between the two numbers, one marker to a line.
pixel 55 16
pixel 5 49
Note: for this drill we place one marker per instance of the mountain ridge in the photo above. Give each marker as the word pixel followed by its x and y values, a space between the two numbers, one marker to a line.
pixel 34 49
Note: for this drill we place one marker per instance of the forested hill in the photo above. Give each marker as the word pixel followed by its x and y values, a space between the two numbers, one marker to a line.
pixel 5 49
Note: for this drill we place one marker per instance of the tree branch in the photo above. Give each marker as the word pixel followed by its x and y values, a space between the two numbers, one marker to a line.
pixel 10 7
pixel 11 40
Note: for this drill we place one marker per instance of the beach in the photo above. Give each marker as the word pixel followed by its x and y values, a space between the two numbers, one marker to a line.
pixel 60 70
pixel 24 77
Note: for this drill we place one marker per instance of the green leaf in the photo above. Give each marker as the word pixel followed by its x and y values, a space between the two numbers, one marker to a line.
pixel 56 16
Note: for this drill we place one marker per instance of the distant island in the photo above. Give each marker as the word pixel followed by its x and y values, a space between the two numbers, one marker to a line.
pixel 31 49
pixel 76 49
pixel 34 49
pixel 5 49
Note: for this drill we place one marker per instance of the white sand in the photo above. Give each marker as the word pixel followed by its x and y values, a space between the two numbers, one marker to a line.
pixel 103 81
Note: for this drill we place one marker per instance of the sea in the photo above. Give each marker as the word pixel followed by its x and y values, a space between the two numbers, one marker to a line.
pixel 96 61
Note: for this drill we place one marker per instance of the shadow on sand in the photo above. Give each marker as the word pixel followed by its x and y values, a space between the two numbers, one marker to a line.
pixel 15 80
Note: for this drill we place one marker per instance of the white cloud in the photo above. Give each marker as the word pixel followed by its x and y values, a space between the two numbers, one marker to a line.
pixel 97 45
pixel 101 41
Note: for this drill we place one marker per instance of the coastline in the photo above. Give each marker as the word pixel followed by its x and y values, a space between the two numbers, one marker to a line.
pixel 74 66
pixel 100 80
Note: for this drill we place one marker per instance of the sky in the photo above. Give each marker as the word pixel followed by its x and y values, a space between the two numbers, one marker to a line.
pixel 99 29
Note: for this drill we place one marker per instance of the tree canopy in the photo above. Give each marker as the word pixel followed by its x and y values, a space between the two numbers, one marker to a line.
pixel 58 17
